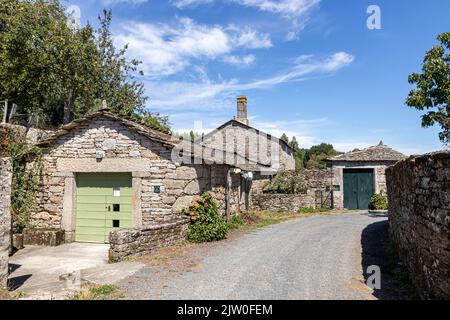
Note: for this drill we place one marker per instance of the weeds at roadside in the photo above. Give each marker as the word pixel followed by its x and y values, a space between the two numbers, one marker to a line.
pixel 95 292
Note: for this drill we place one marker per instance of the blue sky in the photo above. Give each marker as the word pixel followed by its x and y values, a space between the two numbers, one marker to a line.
pixel 310 68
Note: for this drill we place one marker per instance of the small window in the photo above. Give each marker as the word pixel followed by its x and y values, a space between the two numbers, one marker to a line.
pixel 116 192
pixel 116 223
pixel 157 189
pixel 116 207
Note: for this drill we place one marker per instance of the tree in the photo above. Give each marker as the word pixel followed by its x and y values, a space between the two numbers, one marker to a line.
pixel 433 88
pixel 285 138
pixel 315 157
pixel 60 73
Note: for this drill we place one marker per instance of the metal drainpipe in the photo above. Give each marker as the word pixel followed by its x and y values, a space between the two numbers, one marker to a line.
pixel 331 186
pixel 228 194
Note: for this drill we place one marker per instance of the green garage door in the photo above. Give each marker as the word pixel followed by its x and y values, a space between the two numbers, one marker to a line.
pixel 358 188
pixel 103 204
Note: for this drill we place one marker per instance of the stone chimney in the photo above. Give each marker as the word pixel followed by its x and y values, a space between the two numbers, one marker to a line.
pixel 242 110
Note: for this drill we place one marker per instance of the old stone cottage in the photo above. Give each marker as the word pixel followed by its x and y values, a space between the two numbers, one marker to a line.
pixel 103 173
pixel 269 154
pixel 356 176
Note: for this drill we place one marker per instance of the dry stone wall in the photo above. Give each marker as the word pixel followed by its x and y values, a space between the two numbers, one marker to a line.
pixel 419 215
pixel 286 202
pixel 125 243
pixel 317 195
pixel 5 218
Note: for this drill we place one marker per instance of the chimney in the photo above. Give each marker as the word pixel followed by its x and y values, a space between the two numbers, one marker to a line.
pixel 242 110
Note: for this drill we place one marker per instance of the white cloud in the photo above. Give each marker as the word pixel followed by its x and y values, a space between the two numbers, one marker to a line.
pixel 113 2
pixel 249 38
pixel 168 49
pixel 180 4
pixel 207 94
pixel 286 8
pixel 240 61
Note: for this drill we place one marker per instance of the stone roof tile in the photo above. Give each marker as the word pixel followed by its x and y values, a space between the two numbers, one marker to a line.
pixel 381 152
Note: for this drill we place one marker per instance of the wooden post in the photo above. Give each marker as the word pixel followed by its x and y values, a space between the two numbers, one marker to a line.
pixel 5 111
pixel 13 112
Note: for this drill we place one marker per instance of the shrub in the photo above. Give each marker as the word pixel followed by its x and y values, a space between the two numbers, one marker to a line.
pixel 286 184
pixel 379 201
pixel 236 222
pixel 207 225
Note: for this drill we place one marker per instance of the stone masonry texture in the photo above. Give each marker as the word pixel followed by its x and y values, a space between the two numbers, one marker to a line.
pixel 317 196
pixel 5 218
pixel 162 187
pixel 125 243
pixel 419 215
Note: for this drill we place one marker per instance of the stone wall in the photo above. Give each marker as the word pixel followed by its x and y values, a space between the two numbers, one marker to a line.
pixel 419 215
pixel 125 243
pixel 286 202
pixel 5 218
pixel 318 194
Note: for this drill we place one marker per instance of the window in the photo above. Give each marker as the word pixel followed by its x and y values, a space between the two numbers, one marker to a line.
pixel 116 207
pixel 116 192
pixel 116 223
pixel 157 189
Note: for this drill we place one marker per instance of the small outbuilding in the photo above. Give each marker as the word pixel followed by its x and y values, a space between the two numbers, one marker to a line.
pixel 357 175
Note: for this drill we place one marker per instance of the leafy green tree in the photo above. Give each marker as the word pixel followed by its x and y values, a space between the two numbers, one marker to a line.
pixel 433 88
pixel 315 157
pixel 285 138
pixel 60 73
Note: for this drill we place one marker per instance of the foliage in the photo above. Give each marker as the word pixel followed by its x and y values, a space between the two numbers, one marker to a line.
pixel 286 183
pixel 61 73
pixel 236 222
pixel 313 210
pixel 433 88
pixel 26 168
pixel 379 201
pixel 313 158
pixel 284 138
pixel 189 136
pixel 208 225
pixel 104 292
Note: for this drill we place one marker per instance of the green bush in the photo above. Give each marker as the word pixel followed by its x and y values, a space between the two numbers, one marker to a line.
pixel 236 222
pixel 286 184
pixel 208 225
pixel 379 201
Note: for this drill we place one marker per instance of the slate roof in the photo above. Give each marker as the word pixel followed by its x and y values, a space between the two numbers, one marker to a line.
pixel 131 124
pixel 155 135
pixel 234 122
pixel 380 152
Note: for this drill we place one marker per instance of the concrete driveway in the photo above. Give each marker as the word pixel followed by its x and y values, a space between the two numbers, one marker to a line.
pixel 36 270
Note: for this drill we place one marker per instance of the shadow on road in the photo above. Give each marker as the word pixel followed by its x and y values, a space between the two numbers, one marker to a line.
pixel 377 250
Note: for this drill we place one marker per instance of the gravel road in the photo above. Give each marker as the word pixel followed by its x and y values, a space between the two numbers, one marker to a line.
pixel 307 258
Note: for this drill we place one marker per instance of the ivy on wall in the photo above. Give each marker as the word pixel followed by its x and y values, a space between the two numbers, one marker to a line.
pixel 27 165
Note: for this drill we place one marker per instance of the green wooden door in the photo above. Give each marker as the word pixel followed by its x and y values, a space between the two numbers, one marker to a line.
pixel 358 188
pixel 103 204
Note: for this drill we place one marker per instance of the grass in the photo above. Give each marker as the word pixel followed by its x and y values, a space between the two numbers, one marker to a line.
pixel 267 218
pixel 96 292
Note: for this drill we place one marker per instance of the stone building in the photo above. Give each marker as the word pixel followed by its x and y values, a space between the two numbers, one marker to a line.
pixel 269 153
pixel 102 173
pixel 357 175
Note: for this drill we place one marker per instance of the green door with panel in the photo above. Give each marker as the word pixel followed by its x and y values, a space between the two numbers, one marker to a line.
pixel 103 204
pixel 358 188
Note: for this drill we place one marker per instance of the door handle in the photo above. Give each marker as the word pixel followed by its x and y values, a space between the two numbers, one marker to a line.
pixel 109 208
